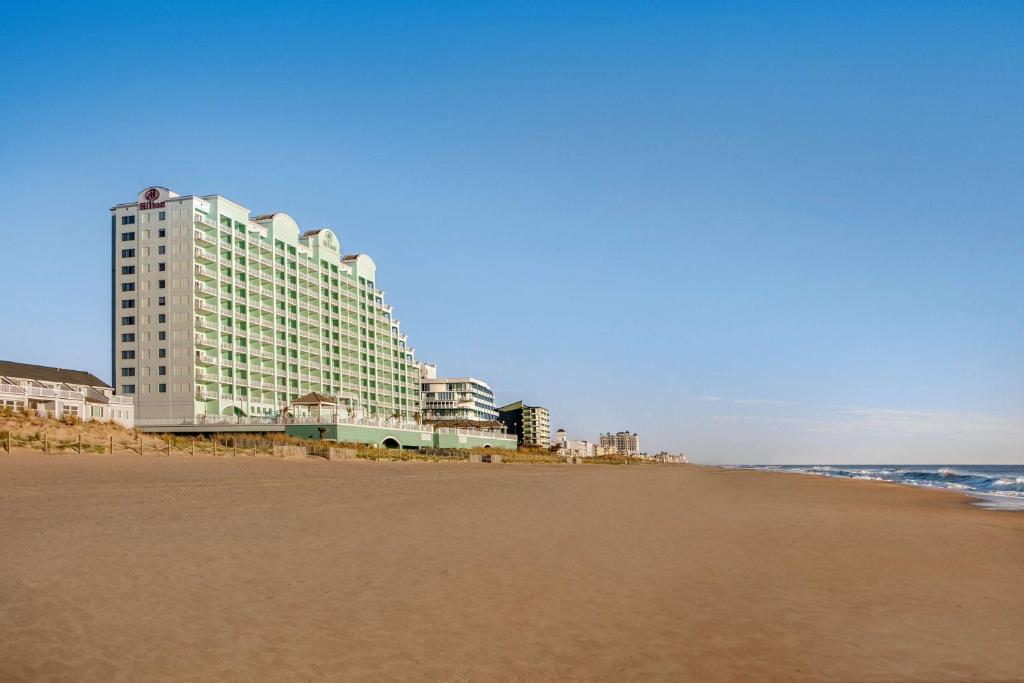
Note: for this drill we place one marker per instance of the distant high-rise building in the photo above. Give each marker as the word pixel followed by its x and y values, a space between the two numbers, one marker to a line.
pixel 623 443
pixel 530 423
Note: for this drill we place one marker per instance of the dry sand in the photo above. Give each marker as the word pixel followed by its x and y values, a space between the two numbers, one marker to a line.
pixel 142 568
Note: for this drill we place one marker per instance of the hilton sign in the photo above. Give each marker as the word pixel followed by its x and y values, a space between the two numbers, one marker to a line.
pixel 151 196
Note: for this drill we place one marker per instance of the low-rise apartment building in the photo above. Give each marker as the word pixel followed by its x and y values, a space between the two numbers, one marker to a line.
pixel 57 393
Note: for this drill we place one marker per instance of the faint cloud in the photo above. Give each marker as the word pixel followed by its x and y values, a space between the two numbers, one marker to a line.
pixel 743 401
pixel 898 423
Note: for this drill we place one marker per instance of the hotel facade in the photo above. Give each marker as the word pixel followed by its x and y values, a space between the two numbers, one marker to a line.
pixel 220 313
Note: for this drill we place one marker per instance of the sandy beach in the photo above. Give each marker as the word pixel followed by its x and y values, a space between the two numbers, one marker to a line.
pixel 127 568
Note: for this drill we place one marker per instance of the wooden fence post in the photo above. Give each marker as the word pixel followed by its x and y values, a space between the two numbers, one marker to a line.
pixel 168 445
pixel 111 445
pixel 254 449
pixel 193 446
pixel 46 444
pixel 215 446
pixel 79 443
pixel 234 448
pixel 142 444
pixel 8 442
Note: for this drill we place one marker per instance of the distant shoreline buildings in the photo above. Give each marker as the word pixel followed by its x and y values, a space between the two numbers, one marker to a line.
pixel 225 321
pixel 621 443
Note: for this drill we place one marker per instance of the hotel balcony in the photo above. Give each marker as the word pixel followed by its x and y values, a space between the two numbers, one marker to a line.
pixel 200 218
pixel 203 307
pixel 203 255
pixel 202 237
pixel 202 324
pixel 201 340
pixel 205 358
pixel 205 273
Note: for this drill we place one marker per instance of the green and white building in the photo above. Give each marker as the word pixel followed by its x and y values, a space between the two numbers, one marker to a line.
pixel 217 312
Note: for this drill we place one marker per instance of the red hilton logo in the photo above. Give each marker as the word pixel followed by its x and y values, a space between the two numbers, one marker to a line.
pixel 151 195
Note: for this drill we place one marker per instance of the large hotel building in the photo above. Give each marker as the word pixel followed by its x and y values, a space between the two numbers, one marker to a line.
pixel 216 312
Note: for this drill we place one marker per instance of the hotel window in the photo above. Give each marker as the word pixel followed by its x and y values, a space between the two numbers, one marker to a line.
pixel 162 353
pixel 162 232
pixel 127 220
pixel 161 284
pixel 162 318
pixel 127 372
pixel 128 320
pixel 127 355
pixel 128 337
pixel 161 267
pixel 162 370
pixel 161 217
pixel 127 286
pixel 127 253
pixel 127 236
pixel 128 303
pixel 127 270
pixel 161 335
pixel 127 388
pixel 162 388
pixel 161 250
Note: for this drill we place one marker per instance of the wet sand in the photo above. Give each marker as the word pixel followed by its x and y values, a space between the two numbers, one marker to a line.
pixel 130 568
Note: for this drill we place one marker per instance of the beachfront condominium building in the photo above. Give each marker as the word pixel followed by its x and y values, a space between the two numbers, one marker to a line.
pixel 217 312
pixel 61 393
pixel 455 398
pixel 623 443
pixel 531 424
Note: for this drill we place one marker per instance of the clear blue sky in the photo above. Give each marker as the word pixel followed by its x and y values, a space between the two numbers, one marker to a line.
pixel 752 231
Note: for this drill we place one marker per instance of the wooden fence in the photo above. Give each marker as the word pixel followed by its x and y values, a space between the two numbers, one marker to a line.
pixel 219 446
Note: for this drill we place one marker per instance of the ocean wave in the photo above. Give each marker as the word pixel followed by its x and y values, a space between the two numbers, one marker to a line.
pixel 1002 483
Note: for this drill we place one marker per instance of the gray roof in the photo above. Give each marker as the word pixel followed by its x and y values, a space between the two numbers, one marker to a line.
pixel 44 373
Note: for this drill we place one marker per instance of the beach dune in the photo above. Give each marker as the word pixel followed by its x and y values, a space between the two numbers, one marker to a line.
pixel 176 568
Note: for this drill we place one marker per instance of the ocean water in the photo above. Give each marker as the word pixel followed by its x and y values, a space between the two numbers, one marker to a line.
pixel 997 487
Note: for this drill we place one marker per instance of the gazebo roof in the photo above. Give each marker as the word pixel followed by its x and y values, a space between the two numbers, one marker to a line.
pixel 314 399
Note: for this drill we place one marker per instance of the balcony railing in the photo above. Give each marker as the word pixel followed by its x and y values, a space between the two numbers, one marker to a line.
pixel 12 389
